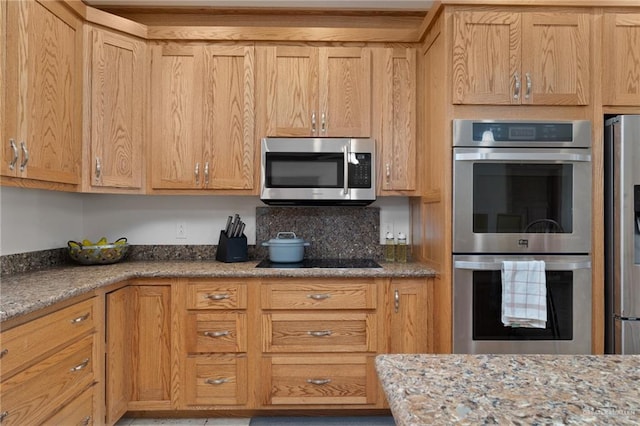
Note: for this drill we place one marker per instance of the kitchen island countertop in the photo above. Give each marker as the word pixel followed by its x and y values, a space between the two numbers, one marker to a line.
pixel 24 293
pixel 511 389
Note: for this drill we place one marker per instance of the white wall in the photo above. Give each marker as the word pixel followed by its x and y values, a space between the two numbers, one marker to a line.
pixel 38 220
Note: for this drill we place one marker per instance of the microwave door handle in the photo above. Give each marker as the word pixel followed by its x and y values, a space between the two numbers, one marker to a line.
pixel 497 265
pixel 345 150
pixel 530 156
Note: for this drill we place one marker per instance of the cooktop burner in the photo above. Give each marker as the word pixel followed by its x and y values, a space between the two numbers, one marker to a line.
pixel 322 263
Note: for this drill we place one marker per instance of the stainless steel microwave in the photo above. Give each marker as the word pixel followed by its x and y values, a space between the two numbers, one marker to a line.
pixel 318 171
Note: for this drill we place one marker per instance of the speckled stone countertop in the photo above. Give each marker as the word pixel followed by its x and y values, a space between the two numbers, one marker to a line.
pixel 23 293
pixel 512 389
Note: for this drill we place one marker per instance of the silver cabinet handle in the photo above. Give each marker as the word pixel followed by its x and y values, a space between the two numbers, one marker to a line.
pixel 323 124
pixel 206 173
pixel 197 173
pixel 516 93
pixel 80 319
pixel 216 381
pixel 86 421
pixel 319 333
pixel 388 173
pixel 4 353
pixel 220 296
pixel 98 168
pixel 322 296
pixel 396 301
pixel 215 334
pixel 528 92
pixel 14 160
pixel 313 123
pixel 25 156
pixel 3 416
pixel 80 366
pixel 319 381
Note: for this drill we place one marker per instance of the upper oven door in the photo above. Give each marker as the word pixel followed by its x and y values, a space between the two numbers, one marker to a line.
pixel 522 200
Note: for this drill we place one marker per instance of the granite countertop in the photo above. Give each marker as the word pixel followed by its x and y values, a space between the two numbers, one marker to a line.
pixel 511 389
pixel 24 293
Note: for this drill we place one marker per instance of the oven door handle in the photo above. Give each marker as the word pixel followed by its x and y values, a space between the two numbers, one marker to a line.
pixel 516 156
pixel 497 265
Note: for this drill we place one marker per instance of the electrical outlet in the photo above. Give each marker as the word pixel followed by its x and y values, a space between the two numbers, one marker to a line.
pixel 181 230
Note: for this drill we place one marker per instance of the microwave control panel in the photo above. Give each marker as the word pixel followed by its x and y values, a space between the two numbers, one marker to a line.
pixel 360 171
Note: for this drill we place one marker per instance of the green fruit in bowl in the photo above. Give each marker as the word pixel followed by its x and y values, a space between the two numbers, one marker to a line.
pixel 86 242
pixel 102 241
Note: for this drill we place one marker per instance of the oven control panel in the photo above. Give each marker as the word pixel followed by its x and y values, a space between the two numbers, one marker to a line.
pixel 514 132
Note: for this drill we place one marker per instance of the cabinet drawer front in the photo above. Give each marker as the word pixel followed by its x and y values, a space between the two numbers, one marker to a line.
pixel 223 332
pixel 321 380
pixel 32 395
pixel 23 345
pixel 216 380
pixel 318 295
pixel 216 295
pixel 78 412
pixel 349 332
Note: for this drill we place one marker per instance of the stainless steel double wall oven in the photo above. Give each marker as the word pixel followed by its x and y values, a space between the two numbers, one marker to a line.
pixel 521 191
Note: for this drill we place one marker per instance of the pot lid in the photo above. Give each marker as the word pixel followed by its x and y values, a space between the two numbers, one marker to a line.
pixel 286 238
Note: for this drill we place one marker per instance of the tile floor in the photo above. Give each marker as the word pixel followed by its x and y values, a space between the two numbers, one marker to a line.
pixel 184 422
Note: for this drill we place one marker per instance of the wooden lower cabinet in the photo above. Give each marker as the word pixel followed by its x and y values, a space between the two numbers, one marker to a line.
pixel 79 412
pixel 216 380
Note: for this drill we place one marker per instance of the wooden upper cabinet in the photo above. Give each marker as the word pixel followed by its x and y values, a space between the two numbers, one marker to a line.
pixel 323 91
pixel 621 56
pixel 502 58
pixel 202 103
pixel 42 129
pixel 116 101
pixel 398 171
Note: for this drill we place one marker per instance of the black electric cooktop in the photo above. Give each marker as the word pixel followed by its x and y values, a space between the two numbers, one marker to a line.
pixel 322 263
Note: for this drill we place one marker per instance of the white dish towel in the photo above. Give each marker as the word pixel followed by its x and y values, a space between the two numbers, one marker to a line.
pixel 524 294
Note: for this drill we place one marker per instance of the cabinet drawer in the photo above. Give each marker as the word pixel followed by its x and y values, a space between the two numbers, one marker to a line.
pixel 216 295
pixel 78 412
pixel 216 380
pixel 23 345
pixel 319 332
pixel 34 394
pixel 218 332
pixel 348 379
pixel 318 295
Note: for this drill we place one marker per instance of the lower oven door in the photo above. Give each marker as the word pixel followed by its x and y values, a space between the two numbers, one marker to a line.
pixel 477 307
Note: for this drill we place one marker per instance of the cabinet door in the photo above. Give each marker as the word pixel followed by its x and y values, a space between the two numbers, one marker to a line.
pixel 345 91
pixel 555 58
pixel 486 57
pixel 399 115
pixel 117 87
pixel 119 343
pixel 292 90
pixel 408 308
pixel 228 118
pixel 176 112
pixel 621 82
pixel 43 93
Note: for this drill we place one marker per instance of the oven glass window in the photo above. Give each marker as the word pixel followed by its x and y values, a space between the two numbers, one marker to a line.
pixel 304 170
pixel 522 197
pixel 487 309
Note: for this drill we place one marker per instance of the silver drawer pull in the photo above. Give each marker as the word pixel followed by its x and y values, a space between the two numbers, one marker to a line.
pixel 218 296
pixel 216 381
pixel 216 333
pixel 319 296
pixel 86 421
pixel 3 416
pixel 80 318
pixel 319 381
pixel 4 353
pixel 80 366
pixel 319 333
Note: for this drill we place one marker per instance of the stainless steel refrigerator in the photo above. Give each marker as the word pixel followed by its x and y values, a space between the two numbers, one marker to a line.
pixel 622 234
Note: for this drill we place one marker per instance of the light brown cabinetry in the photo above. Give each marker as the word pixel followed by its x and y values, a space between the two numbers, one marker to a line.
pixel 202 104
pixel 407 314
pixel 317 91
pixel 48 367
pixel 621 56
pixel 505 57
pixel 41 134
pixel 114 100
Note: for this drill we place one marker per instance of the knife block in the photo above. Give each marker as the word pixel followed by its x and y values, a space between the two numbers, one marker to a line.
pixel 231 249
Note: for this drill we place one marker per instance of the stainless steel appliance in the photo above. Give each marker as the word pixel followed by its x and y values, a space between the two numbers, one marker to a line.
pixel 521 187
pixel 318 171
pixel 521 191
pixel 477 307
pixel 622 234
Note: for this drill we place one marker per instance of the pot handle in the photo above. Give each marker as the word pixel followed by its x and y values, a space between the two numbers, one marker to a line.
pixel 286 233
pixel 265 244
pixel 306 244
